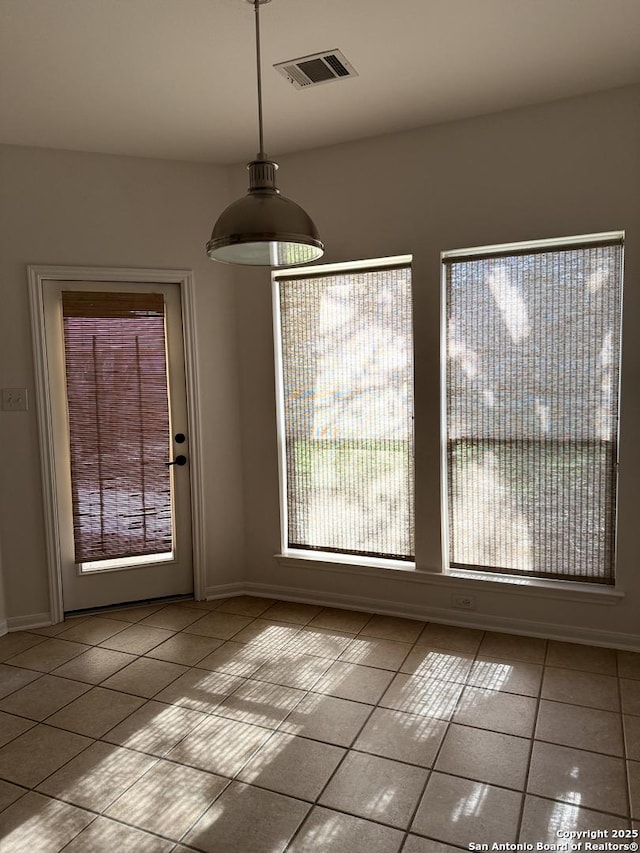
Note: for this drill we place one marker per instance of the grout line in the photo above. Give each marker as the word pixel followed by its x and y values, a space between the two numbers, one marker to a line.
pixel 71 840
pixel 625 759
pixel 116 819
pixel 349 752
pixel 532 744
pixel 305 692
pixel 432 769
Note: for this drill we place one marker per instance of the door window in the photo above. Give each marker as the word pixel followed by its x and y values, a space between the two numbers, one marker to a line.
pixel 119 429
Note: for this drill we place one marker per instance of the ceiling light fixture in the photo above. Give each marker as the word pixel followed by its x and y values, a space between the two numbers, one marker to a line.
pixel 264 228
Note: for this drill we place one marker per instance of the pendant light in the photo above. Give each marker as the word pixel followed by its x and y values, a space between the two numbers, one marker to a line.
pixel 264 228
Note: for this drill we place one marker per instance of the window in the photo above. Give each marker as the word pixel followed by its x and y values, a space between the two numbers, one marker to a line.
pixel 117 399
pixel 345 368
pixel 531 407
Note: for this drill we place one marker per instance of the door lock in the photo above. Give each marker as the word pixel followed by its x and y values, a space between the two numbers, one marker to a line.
pixel 179 460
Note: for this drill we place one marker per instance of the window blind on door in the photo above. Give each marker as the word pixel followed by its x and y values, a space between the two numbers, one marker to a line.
pixel 347 403
pixel 116 375
pixel 533 350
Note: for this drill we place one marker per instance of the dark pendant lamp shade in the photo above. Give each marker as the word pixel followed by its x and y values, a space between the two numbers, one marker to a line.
pixel 264 228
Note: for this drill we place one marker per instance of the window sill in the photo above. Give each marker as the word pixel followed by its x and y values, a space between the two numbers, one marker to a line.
pixel 567 590
pixel 338 562
pixel 456 579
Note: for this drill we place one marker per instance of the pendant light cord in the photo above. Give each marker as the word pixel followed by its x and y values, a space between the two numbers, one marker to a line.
pixel 256 5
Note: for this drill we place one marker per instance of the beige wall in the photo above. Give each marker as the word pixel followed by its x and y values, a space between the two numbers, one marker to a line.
pixel 61 207
pixel 3 603
pixel 565 168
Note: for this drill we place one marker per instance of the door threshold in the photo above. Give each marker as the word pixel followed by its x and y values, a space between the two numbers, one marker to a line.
pixel 127 605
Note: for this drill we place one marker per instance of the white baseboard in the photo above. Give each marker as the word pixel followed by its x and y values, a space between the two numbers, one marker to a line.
pixel 484 622
pixel 43 620
pixel 225 590
pixel 34 620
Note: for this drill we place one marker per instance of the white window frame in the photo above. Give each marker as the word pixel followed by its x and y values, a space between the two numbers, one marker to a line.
pixel 297 556
pixel 575 589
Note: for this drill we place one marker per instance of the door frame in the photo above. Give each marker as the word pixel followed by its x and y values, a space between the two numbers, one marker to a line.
pixel 38 276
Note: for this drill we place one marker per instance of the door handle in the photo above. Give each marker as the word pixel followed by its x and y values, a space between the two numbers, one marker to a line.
pixel 179 460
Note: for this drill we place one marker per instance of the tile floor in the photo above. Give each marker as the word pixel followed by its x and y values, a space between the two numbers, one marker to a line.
pixel 252 726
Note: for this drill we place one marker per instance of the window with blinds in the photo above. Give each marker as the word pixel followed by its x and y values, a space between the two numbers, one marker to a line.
pixel 531 395
pixel 116 375
pixel 346 409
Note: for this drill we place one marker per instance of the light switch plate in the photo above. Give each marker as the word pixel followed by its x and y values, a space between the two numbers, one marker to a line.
pixel 14 400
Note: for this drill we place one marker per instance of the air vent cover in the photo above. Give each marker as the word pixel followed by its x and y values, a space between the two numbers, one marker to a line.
pixel 308 71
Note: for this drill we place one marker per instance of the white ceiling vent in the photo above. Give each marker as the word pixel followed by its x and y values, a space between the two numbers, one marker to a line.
pixel 308 71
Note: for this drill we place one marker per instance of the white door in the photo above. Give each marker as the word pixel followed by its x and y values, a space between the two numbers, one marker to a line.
pixel 103 511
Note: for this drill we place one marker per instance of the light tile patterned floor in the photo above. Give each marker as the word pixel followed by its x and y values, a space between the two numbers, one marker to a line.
pixel 251 726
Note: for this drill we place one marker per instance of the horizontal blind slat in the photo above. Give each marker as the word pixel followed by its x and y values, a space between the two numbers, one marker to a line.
pixel 81 303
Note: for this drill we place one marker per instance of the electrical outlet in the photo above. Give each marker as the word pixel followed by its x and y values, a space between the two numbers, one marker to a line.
pixel 463 602
pixel 14 400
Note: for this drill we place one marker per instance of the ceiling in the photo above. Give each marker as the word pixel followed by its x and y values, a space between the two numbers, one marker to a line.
pixel 176 78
